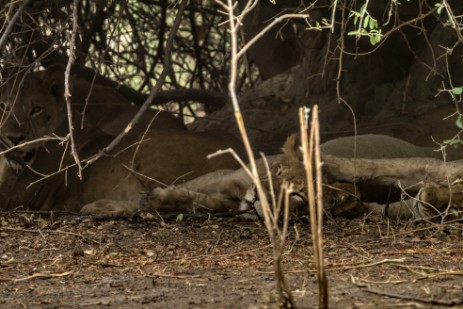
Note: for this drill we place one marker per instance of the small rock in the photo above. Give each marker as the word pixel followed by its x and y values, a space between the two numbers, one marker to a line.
pixel 78 251
pixel 245 234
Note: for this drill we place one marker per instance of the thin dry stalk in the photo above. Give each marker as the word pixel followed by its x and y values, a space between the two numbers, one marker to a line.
pixel 233 26
pixel 276 235
pixel 286 297
pixel 315 196
pixel 67 92
pixel 157 87
pixel 12 22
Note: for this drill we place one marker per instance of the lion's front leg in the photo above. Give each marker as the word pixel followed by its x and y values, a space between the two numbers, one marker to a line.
pixel 175 199
pixel 110 208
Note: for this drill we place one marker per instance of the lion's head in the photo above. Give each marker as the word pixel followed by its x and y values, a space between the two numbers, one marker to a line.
pixel 288 177
pixel 31 107
pixel 291 170
pixel 340 199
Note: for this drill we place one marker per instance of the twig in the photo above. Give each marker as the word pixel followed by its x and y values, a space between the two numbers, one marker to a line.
pixel 35 141
pixel 157 87
pixel 267 28
pixel 14 229
pixel 453 20
pixel 43 276
pixel 11 23
pixel 67 92
pixel 276 235
pixel 367 288
pixel 235 156
pixel 174 276
pixel 400 260
pixel 439 274
pixel 233 25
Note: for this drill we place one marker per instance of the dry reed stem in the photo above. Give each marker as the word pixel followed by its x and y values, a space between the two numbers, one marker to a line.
pixel 315 196
pixel 276 235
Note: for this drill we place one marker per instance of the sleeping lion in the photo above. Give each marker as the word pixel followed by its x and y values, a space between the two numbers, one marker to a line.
pixel 164 167
pixel 38 172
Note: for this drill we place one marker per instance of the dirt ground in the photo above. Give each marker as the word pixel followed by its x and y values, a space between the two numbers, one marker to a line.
pixel 74 262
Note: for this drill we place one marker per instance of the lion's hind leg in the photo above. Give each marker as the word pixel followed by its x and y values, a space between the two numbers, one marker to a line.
pixel 440 202
pixel 352 200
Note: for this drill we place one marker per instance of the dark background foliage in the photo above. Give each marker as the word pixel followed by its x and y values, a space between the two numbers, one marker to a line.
pixel 412 69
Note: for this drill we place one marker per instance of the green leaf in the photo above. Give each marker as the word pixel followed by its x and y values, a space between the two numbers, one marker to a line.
pixel 452 142
pixel 363 9
pixel 373 23
pixel 427 271
pixel 440 7
pixel 458 122
pixel 457 90
pixel 366 21
pixel 374 39
pixel 355 32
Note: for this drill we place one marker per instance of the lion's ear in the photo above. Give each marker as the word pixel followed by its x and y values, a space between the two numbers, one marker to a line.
pixel 53 80
pixel 291 148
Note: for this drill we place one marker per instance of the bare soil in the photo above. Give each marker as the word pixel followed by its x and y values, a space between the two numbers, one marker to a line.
pixel 75 262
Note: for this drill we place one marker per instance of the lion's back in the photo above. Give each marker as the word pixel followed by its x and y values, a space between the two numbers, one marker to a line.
pixel 374 146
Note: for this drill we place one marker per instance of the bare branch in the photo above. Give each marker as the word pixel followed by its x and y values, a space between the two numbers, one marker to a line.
pixel 12 22
pixel 159 82
pixel 67 92
pixel 276 235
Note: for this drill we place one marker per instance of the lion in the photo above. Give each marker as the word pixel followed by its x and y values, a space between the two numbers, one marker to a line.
pixel 115 180
pixel 234 190
pixel 404 181
pixel 439 201
pixel 38 171
pixel 44 104
pixel 433 185
pixel 376 146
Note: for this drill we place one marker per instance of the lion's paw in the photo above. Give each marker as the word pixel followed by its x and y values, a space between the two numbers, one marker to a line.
pixel 110 208
pixel 166 199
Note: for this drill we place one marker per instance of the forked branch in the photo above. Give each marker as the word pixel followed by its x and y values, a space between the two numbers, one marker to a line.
pixel 277 235
pixel 157 87
pixel 67 92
